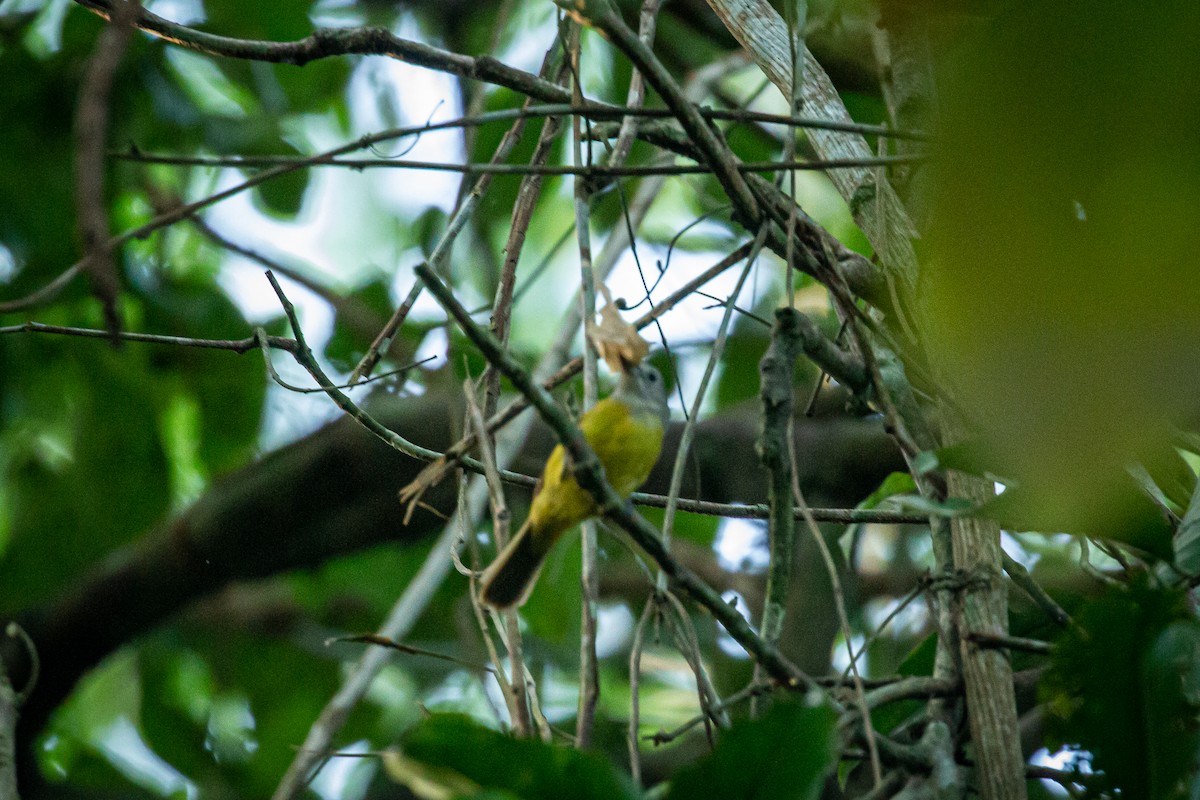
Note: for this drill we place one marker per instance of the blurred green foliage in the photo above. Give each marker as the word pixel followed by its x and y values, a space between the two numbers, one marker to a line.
pixel 1060 290
pixel 786 754
pixel 453 745
pixel 1124 687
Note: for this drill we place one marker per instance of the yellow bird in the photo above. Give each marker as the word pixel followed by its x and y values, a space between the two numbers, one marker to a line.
pixel 626 431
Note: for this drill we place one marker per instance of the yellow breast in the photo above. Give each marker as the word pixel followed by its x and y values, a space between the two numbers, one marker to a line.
pixel 626 444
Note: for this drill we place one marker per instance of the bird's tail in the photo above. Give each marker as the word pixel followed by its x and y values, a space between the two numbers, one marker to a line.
pixel 509 579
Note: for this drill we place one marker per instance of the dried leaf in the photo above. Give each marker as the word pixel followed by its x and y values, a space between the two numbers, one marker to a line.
pixel 617 342
pixel 427 478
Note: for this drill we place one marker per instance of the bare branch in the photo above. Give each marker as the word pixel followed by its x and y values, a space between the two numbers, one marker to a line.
pixel 91 133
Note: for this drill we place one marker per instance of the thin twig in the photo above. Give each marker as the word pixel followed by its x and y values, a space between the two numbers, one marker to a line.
pixel 839 601
pixel 1001 641
pixel 383 339
pixel 593 172
pixel 647 21
pixel 14 631
pixel 688 644
pixel 235 345
pixel 911 688
pixel 902 604
pixel 1021 577
pixel 528 194
pixel 506 686
pixel 635 677
pixel 589 667
pixel 518 707
pixel 796 40
pixel 45 294
pixel 689 428
pixel 846 516
pixel 500 512
pixel 400 647
pixel 748 692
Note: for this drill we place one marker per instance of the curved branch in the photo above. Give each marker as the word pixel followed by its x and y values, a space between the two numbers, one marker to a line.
pixel 590 474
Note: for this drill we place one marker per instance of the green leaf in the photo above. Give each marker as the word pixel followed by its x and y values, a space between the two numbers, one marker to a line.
pixel 522 767
pixel 228 388
pixel 925 462
pixel 36 165
pixel 81 744
pixel 314 88
pixel 88 470
pixel 427 228
pixel 252 667
pixel 1172 687
pixel 359 319
pixel 786 755
pixel 1146 482
pixel 173 723
pixel 279 21
pixel 283 197
pixel 1172 475
pixel 1123 686
pixel 699 528
pixel 951 507
pixel 1187 538
pixel 1133 519
pixel 370 577
pixel 739 381
pixel 897 483
pixel 918 662
pixel 965 456
pixel 108 693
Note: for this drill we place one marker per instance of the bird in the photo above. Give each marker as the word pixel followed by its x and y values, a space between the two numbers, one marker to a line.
pixel 626 431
